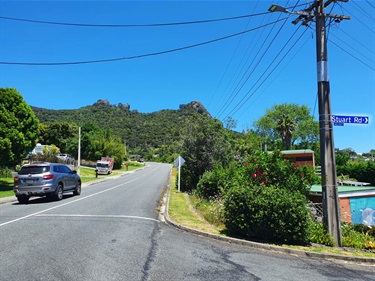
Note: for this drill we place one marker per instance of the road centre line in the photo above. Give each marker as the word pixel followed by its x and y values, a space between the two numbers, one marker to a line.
pixel 74 201
pixel 97 216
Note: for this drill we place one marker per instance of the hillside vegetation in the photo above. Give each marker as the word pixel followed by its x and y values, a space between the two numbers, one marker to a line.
pixel 138 130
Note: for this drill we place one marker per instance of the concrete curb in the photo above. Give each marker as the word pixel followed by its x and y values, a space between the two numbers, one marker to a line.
pixel 268 247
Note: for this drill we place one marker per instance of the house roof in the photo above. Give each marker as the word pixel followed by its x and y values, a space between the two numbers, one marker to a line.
pixel 298 151
pixel 347 190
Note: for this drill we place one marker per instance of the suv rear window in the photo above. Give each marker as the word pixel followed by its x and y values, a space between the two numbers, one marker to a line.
pixel 34 170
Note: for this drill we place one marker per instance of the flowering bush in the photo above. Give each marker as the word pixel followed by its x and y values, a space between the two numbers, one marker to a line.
pixel 271 169
pixel 267 199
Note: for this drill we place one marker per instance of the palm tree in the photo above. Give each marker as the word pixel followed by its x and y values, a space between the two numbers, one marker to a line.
pixel 285 127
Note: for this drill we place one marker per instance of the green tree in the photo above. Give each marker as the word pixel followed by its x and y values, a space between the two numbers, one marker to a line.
pixel 248 143
pixel 291 123
pixel 204 146
pixel 343 156
pixel 18 127
pixel 285 127
pixel 59 134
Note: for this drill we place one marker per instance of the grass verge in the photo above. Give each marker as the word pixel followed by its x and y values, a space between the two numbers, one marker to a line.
pixel 182 212
pixel 6 187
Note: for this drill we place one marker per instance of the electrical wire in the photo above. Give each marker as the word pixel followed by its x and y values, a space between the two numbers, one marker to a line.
pixel 350 54
pixel 132 25
pixel 233 95
pixel 239 88
pixel 362 10
pixel 231 59
pixel 357 18
pixel 281 71
pixel 244 80
pixel 137 56
pixel 353 49
pixel 243 101
pixel 357 41
pixel 371 4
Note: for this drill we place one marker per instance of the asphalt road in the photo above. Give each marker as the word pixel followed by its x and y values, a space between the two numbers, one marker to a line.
pixel 113 232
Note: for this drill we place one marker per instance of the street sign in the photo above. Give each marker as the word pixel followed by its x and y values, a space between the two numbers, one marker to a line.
pixel 339 120
pixel 178 162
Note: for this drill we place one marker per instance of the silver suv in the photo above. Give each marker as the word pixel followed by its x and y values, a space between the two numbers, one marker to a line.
pixel 45 179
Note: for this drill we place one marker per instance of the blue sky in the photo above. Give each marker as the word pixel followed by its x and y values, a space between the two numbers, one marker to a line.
pixel 238 77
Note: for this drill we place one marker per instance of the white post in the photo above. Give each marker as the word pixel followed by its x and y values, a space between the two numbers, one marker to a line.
pixel 179 173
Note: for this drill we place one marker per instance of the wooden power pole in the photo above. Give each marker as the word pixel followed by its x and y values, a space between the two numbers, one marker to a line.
pixel 331 209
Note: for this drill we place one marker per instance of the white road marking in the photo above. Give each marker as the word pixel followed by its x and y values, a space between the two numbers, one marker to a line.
pixel 97 216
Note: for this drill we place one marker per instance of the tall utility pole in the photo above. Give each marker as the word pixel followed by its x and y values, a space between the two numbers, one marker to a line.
pixel 331 209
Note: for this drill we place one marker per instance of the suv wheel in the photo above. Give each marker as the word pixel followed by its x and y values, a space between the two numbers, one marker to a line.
pixel 23 199
pixel 59 192
pixel 77 190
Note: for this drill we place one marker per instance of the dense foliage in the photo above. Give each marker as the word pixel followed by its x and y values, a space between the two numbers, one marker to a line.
pixel 18 127
pixel 139 130
pixel 62 134
pixel 205 145
pixel 264 197
pixel 290 123
pixel 266 213
pixel 361 171
pixel 259 168
pixel 154 136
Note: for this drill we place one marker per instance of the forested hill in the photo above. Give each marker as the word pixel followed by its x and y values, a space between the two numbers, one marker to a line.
pixel 138 129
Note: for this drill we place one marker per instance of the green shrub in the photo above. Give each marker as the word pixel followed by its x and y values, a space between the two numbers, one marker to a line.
pixel 319 234
pixel 209 185
pixel 361 228
pixel 5 173
pixel 361 171
pixel 214 183
pixel 354 239
pixel 371 232
pixel 267 213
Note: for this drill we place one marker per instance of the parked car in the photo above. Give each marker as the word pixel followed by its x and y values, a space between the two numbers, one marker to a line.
pixel 65 157
pixel 45 179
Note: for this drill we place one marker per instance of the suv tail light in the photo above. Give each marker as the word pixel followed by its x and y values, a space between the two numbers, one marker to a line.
pixel 48 177
pixel 16 179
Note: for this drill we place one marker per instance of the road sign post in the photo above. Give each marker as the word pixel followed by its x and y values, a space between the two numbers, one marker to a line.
pixel 178 162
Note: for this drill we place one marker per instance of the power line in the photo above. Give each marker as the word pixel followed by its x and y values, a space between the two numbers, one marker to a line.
pixel 243 101
pixel 371 4
pixel 241 82
pixel 225 106
pixel 350 54
pixel 137 56
pixel 362 10
pixel 230 61
pixel 351 37
pixel 281 70
pixel 354 49
pixel 131 25
pixel 358 19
